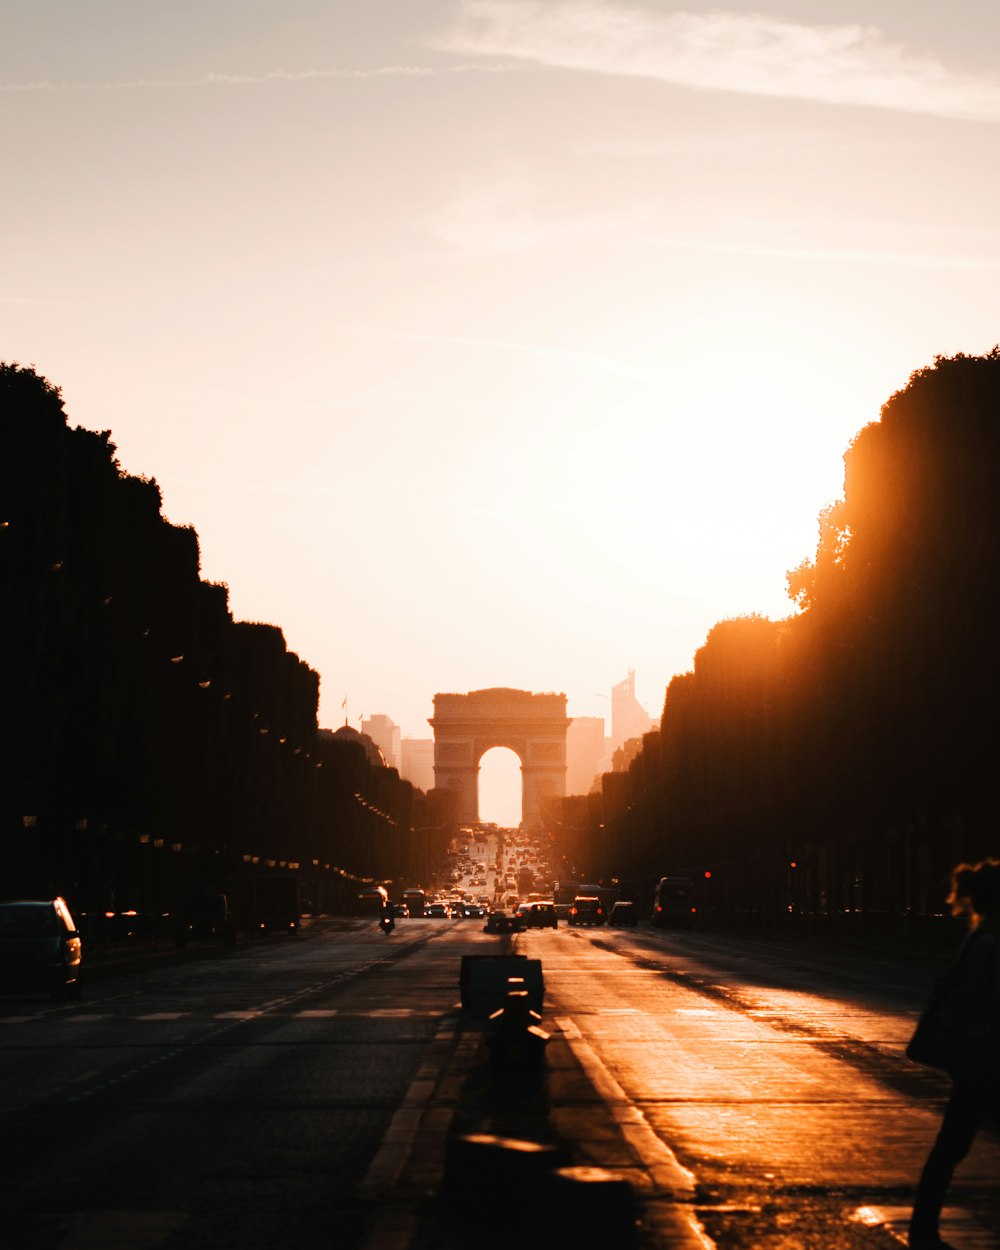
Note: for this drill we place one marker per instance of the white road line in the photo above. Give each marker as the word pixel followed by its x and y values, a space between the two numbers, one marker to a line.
pixel 103 1230
pixel 959 1228
pixel 391 1156
pixel 655 1155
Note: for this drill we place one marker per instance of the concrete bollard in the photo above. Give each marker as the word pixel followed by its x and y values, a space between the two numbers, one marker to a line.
pixel 483 981
pixel 517 1046
pixel 591 1208
pixel 518 1170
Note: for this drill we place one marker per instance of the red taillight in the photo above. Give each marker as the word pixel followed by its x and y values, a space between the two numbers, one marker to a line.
pixel 693 910
pixel 658 907
pixel 572 911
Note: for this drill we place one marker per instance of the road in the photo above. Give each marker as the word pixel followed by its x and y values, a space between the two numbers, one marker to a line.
pixel 287 1094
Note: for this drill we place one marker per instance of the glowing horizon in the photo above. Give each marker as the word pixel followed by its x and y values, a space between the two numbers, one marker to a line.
pixel 496 344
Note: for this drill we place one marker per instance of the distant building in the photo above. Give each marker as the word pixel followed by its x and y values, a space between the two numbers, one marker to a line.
pixel 585 750
pixel 417 756
pixel 386 733
pixel 345 733
pixel 629 718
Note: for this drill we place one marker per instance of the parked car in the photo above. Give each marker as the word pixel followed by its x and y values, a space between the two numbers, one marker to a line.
pixel 40 947
pixel 587 911
pixel 624 913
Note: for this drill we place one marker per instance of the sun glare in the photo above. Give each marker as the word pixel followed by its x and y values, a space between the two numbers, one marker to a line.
pixel 500 787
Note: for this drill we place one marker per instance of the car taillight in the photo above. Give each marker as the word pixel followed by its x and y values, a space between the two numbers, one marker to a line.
pixel 572 911
pixel 658 907
pixel 693 910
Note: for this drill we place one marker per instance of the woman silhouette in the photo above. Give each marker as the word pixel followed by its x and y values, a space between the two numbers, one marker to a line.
pixel 975 893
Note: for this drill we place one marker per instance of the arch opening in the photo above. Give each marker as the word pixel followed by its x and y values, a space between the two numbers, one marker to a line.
pixel 500 787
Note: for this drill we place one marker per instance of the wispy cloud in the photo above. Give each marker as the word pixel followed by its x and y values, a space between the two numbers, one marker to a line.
pixel 858 255
pixel 749 53
pixel 272 77
pixel 573 356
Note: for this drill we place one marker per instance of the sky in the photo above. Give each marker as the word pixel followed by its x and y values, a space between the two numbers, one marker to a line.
pixel 490 342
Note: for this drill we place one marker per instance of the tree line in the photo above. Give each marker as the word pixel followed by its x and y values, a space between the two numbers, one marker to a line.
pixel 154 743
pixel 838 762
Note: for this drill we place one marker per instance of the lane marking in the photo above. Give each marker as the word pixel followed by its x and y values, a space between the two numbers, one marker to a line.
pixel 655 1154
pixel 316 1013
pixel 959 1228
pixel 391 1156
pixel 164 1015
pixel 110 1230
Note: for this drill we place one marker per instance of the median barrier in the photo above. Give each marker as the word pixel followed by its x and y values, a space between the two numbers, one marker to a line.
pixel 517 1170
pixel 483 982
pixel 592 1208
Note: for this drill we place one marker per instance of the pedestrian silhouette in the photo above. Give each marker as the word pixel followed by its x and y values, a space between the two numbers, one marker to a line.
pixel 971 1005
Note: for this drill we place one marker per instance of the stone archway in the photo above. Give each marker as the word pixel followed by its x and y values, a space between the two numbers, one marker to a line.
pixel 533 726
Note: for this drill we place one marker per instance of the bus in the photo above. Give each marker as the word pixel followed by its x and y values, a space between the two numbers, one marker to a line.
pixel 415 900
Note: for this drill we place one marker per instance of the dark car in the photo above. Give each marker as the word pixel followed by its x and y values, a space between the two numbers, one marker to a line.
pixel 587 910
pixel 539 915
pixel 502 922
pixel 624 913
pixel 40 947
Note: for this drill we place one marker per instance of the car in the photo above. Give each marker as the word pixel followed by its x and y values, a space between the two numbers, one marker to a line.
pixel 624 913
pixel 473 911
pixel 538 914
pixel 563 910
pixel 501 922
pixel 587 910
pixel 40 947
pixel 401 911
pixel 438 911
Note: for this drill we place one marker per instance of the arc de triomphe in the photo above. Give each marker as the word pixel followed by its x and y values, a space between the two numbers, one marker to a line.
pixel 533 726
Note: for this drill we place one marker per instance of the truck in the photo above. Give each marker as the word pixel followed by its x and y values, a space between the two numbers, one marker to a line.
pixel 675 902
pixel 276 903
pixel 525 880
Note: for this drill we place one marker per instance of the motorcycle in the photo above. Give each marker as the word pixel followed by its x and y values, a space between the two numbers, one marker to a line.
pixel 387 923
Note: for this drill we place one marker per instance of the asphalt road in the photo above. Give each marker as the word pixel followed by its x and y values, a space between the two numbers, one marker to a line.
pixel 235 1101
pixel 297 1093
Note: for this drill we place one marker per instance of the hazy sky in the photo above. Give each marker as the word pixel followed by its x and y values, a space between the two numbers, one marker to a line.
pixel 493 342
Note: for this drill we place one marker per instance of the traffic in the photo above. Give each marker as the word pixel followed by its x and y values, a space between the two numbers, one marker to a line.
pixel 513 881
